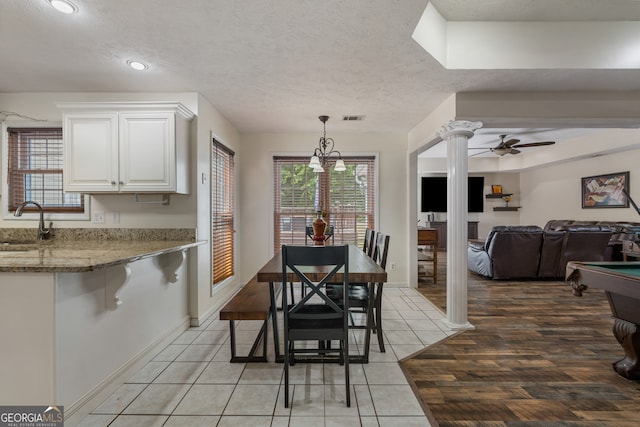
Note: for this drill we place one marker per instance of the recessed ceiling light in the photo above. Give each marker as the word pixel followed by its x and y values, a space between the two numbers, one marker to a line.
pixel 64 6
pixel 137 65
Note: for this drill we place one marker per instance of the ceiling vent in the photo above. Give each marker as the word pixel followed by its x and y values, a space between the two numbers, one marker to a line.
pixel 353 118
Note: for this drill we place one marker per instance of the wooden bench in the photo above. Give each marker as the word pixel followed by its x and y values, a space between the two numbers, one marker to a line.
pixel 252 302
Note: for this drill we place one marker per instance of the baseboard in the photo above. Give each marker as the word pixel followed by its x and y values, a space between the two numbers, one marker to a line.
pixel 220 295
pixel 396 285
pixel 77 411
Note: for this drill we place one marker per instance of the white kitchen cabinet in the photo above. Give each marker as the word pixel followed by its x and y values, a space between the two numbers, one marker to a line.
pixel 126 147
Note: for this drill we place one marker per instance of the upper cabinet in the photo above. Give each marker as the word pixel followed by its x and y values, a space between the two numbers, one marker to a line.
pixel 126 147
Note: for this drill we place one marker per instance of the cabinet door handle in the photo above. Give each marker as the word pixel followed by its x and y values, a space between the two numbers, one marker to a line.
pixel 121 183
pixel 113 183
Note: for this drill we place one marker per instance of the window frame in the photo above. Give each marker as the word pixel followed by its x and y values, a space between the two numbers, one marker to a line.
pixel 30 215
pixel 375 192
pixel 217 145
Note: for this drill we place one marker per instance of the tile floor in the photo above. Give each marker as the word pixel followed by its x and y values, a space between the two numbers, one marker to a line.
pixel 192 383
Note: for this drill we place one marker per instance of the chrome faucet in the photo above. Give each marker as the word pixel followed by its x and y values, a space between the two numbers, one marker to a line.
pixel 43 233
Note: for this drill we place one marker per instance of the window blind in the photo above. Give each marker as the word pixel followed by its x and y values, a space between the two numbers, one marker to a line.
pixel 35 171
pixel 222 211
pixel 346 199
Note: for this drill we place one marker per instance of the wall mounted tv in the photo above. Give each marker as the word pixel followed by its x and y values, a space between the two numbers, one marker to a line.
pixel 434 194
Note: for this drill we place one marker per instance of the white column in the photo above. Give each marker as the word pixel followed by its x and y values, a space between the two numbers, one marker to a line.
pixel 457 134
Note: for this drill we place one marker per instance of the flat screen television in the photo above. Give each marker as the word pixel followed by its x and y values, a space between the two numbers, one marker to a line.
pixel 434 194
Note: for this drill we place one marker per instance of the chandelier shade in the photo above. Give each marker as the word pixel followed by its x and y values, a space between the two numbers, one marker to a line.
pixel 322 154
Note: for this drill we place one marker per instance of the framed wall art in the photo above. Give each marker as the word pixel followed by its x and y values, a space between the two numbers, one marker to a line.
pixel 605 191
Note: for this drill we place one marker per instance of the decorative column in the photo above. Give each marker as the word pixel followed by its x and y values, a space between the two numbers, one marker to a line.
pixel 457 134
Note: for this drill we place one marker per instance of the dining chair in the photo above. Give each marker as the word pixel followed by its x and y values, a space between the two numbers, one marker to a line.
pixel 360 295
pixel 380 252
pixel 309 235
pixel 315 317
pixel 329 233
pixel 369 237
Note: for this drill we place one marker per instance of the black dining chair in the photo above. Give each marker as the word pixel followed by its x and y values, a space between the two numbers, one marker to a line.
pixel 360 295
pixel 328 234
pixel 369 237
pixel 380 252
pixel 315 317
pixel 309 235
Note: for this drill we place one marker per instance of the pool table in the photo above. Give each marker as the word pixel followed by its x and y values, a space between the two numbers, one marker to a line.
pixel 621 283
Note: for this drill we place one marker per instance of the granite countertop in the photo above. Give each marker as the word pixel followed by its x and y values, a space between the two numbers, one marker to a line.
pixel 80 252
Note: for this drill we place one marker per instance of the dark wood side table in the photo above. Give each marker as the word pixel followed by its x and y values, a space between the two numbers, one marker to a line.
pixel 631 249
pixel 632 254
pixel 441 226
pixel 429 237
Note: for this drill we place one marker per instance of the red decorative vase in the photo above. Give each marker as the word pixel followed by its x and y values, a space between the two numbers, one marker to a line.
pixel 319 226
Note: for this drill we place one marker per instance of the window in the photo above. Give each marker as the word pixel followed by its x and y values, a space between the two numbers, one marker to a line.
pixel 347 199
pixel 35 162
pixel 222 214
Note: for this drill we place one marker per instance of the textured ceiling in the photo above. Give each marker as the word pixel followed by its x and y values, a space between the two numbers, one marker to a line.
pixel 276 65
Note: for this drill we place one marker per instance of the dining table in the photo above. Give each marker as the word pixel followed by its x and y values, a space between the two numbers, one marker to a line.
pixel 362 269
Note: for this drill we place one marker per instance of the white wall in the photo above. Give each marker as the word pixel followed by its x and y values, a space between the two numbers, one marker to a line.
pixel 95 340
pixel 210 123
pixel 423 135
pixel 554 192
pixel 27 333
pixel 257 183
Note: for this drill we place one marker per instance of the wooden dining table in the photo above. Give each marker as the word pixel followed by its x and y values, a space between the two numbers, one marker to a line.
pixel 362 269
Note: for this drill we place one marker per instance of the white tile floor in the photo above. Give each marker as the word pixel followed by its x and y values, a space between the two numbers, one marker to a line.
pixel 192 383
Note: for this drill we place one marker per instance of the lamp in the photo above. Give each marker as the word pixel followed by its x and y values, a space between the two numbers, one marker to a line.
pixel 502 151
pixel 320 157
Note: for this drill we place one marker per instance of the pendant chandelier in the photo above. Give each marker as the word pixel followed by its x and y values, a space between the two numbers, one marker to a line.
pixel 321 155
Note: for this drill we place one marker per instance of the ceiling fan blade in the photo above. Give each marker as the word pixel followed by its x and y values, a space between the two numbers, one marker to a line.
pixel 514 151
pixel 510 142
pixel 535 144
pixel 482 152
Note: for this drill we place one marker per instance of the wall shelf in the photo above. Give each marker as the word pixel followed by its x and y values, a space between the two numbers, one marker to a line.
pixel 497 195
pixel 506 208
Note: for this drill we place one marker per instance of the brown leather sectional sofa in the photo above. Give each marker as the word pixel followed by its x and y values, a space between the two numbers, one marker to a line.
pixel 532 252
pixel 621 231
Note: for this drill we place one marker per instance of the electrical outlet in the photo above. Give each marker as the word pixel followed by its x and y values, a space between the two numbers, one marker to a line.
pixel 393 266
pixel 116 217
pixel 98 217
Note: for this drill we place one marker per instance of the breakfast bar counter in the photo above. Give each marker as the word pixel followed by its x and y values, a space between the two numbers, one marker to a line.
pixel 79 310
pixel 51 256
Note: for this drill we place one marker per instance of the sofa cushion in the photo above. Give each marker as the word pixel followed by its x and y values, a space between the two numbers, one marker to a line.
pixel 584 227
pixel 583 246
pixel 514 251
pixel 497 257
pixel 554 224
pixel 550 254
pixel 621 231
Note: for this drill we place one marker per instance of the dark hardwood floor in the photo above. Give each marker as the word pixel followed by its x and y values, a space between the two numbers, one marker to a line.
pixel 538 357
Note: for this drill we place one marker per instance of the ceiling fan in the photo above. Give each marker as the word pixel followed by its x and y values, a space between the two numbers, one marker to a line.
pixel 511 146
